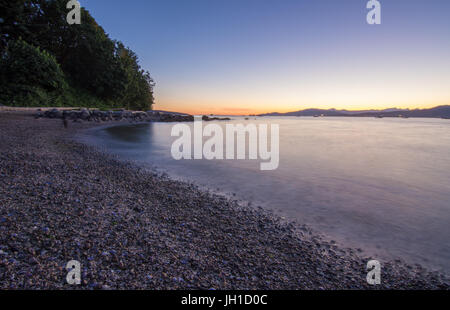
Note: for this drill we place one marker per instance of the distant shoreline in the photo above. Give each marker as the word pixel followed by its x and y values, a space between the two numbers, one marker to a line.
pixel 436 112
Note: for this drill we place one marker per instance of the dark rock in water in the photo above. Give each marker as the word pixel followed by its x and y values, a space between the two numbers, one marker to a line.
pixel 208 119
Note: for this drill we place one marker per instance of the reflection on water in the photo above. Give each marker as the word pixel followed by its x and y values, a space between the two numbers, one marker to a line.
pixel 382 185
pixel 139 133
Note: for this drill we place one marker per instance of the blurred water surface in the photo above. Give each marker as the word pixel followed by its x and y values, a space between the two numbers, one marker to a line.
pixel 382 185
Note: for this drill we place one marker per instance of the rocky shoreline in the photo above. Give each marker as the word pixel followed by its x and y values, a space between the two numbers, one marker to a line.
pixel 135 229
pixel 80 115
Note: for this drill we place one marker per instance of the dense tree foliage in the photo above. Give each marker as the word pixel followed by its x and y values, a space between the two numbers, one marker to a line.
pixel 96 70
pixel 30 76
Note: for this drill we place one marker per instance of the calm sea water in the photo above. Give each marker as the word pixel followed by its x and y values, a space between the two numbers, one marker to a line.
pixel 382 185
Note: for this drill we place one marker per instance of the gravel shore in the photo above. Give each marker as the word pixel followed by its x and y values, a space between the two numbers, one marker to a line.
pixel 134 229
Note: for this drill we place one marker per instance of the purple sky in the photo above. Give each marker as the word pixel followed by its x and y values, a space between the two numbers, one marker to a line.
pixel 252 56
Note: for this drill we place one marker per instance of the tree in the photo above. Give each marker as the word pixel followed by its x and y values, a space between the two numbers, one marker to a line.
pixel 92 63
pixel 16 16
pixel 138 92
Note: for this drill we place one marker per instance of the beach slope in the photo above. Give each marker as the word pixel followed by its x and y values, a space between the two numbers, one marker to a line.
pixel 134 229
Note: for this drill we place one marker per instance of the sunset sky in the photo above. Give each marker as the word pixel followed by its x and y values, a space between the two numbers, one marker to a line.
pixel 256 56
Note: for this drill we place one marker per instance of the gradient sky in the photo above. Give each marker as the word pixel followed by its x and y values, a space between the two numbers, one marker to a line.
pixel 255 56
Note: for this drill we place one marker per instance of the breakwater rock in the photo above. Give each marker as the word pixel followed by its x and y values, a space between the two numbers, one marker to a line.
pixel 81 115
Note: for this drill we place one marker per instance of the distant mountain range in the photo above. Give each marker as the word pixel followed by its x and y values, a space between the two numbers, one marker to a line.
pixel 436 112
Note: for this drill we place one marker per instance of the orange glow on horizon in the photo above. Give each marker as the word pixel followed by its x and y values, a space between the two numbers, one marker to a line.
pixel 220 109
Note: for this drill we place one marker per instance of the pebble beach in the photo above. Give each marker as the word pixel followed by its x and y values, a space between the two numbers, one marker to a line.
pixel 131 228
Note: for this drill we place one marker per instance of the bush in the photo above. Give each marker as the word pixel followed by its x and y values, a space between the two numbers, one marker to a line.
pixel 30 76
